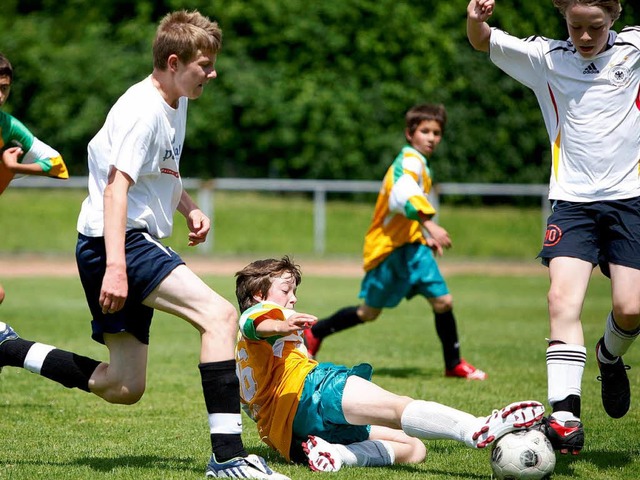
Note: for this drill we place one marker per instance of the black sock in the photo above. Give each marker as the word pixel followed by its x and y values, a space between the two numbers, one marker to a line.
pixel 569 404
pixel 221 389
pixel 13 352
pixel 69 369
pixel 66 368
pixel 448 334
pixel 341 320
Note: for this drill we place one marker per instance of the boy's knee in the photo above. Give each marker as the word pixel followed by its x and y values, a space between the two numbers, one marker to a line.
pixel 122 394
pixel 368 314
pixel 418 451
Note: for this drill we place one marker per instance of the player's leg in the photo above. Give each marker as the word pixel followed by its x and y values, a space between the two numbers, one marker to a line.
pixel 427 281
pixel 366 403
pixel 343 319
pixel 379 287
pixel 621 330
pixel 66 368
pixel 385 446
pixel 183 294
pixel 566 354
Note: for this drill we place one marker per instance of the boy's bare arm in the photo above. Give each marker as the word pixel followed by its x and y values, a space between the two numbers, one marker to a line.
pixel 10 158
pixel 478 31
pixel 297 321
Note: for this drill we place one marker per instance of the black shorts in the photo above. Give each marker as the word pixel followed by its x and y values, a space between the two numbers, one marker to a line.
pixel 596 232
pixel 148 263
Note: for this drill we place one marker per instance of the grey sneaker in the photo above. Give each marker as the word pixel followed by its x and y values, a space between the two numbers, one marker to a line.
pixel 251 466
pixel 6 333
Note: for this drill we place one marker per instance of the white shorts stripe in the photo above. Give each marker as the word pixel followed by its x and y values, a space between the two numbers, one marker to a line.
pixel 35 357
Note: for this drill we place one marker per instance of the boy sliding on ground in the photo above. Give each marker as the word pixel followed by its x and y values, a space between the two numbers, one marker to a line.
pixel 333 414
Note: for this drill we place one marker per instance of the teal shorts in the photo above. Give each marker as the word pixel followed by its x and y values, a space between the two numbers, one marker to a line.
pixel 408 271
pixel 320 409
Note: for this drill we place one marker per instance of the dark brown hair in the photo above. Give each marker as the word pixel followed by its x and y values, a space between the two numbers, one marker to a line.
pixel 257 277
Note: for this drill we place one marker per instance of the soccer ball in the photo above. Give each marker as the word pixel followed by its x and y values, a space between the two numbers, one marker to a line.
pixel 524 454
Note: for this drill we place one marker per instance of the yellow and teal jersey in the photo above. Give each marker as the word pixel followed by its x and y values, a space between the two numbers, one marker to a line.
pixel 14 133
pixel 272 372
pixel 402 197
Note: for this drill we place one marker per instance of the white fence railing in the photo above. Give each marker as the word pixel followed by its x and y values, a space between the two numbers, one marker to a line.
pixel 206 198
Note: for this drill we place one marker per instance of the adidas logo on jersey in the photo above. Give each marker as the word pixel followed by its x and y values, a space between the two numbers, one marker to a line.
pixel 591 69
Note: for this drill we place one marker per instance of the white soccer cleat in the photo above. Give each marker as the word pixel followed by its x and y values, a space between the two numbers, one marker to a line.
pixel 251 466
pixel 516 416
pixel 322 455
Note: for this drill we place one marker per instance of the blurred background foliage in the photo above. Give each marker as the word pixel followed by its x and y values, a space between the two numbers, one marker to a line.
pixel 304 89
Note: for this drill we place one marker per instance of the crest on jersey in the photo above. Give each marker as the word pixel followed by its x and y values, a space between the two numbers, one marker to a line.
pixel 619 75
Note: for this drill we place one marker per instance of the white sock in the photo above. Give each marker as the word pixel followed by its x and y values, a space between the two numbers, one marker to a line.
pixel 434 421
pixel 616 340
pixel 565 366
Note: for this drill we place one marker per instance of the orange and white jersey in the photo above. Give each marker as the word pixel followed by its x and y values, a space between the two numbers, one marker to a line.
pixel 272 372
pixel 402 197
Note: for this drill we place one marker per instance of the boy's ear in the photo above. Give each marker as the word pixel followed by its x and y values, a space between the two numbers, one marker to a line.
pixel 258 297
pixel 407 135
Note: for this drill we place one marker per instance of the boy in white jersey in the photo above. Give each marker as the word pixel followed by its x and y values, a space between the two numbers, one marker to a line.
pixel 400 244
pixel 134 189
pixel 335 414
pixel 594 190
pixel 20 151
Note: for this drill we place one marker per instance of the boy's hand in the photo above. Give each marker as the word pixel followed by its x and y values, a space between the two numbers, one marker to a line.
pixel 435 247
pixel 480 10
pixel 114 290
pixel 199 226
pixel 438 234
pixel 10 157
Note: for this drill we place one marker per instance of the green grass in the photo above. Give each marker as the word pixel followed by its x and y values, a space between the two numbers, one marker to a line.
pixel 50 432
pixel 44 221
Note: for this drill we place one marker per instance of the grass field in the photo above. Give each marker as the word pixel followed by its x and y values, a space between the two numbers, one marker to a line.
pixel 44 221
pixel 50 432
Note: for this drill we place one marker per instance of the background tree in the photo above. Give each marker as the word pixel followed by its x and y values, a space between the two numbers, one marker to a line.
pixel 305 89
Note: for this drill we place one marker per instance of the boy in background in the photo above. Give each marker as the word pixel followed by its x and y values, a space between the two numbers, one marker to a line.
pixel 400 244
pixel 21 152
pixel 336 414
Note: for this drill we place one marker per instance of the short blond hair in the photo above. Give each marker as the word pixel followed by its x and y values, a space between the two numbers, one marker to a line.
pixel 184 33
pixel 612 7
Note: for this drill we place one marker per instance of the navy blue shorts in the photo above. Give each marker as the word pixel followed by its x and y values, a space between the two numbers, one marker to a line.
pixel 596 232
pixel 148 263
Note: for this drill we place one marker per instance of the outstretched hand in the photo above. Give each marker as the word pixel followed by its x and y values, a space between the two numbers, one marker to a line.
pixel 480 10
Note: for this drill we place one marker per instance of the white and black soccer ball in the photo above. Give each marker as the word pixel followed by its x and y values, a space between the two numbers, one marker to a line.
pixel 524 454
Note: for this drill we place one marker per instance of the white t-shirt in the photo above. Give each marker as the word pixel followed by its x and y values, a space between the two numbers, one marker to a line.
pixel 591 109
pixel 142 137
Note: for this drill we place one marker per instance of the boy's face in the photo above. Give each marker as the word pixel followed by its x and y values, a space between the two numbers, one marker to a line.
pixel 5 88
pixel 283 290
pixel 588 28
pixel 193 76
pixel 426 138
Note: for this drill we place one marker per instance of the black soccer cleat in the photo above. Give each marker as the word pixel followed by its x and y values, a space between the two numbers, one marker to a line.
pixel 616 394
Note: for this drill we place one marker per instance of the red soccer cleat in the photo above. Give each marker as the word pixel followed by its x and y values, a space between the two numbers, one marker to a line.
pixel 466 370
